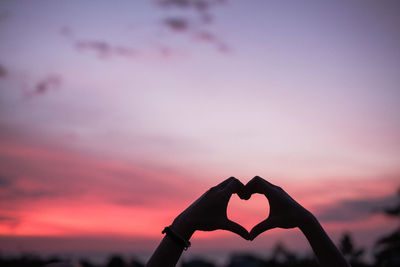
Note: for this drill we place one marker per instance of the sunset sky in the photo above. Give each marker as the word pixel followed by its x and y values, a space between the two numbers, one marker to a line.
pixel 114 117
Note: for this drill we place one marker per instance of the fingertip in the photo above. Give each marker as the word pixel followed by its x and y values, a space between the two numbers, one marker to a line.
pixel 237 229
pixel 245 236
pixel 226 182
pixel 245 196
pixel 242 193
pixel 252 235
pixel 234 186
pixel 254 186
pixel 260 228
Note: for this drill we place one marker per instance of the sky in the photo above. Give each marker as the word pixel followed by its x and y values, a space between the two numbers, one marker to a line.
pixel 114 117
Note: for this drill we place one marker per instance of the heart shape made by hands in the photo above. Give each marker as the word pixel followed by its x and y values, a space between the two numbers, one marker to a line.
pixel 248 212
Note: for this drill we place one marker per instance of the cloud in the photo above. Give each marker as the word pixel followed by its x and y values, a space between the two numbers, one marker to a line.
pixel 205 36
pixel 31 173
pixel 66 31
pixel 104 49
pixel 29 87
pixel 193 26
pixel 177 24
pixel 124 51
pixel 79 193
pixel 165 51
pixel 196 25
pixel 51 82
pixel 183 25
pixel 25 188
pixel 10 221
pixel 4 181
pixel 356 209
pixel 200 5
pixel 43 86
pixel 174 3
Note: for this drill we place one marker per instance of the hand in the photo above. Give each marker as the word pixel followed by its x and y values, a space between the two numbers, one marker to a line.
pixel 208 213
pixel 284 211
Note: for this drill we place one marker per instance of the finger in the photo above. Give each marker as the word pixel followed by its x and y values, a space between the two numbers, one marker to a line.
pixel 234 186
pixel 253 186
pixel 260 228
pixel 223 184
pixel 236 228
pixel 265 181
pixel 258 185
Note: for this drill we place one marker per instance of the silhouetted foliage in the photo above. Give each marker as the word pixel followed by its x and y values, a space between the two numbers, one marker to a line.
pixel 388 247
pixel 197 263
pixel 395 210
pixel 136 263
pixel 86 263
pixel 352 254
pixel 281 254
pixel 245 260
pixel 28 260
pixel 116 261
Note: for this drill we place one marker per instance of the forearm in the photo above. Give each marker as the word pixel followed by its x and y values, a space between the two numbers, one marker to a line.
pixel 169 251
pixel 167 254
pixel 325 250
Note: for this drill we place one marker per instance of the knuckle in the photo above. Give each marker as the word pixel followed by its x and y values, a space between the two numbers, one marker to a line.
pixel 213 189
pixel 232 179
pixel 278 188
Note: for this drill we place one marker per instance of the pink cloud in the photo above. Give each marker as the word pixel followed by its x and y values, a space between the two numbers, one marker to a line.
pixel 74 192
pixel 62 193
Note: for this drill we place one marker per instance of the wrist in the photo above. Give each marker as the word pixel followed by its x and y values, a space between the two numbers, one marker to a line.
pixel 183 227
pixel 307 221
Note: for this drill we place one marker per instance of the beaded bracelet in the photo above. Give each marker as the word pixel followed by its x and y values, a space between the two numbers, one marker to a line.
pixel 176 237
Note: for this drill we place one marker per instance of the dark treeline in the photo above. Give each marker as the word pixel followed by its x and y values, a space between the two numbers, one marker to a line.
pixel 386 253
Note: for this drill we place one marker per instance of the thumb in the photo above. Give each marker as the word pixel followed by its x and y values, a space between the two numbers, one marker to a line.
pixel 260 228
pixel 236 228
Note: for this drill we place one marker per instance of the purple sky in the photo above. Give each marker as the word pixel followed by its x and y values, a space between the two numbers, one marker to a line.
pixel 114 100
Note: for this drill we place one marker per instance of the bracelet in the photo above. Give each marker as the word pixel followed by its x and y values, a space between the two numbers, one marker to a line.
pixel 176 237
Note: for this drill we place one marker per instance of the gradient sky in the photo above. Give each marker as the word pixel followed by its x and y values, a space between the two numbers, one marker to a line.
pixel 114 117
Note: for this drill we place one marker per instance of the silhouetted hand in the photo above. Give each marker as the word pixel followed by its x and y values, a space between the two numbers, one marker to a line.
pixel 284 212
pixel 208 213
